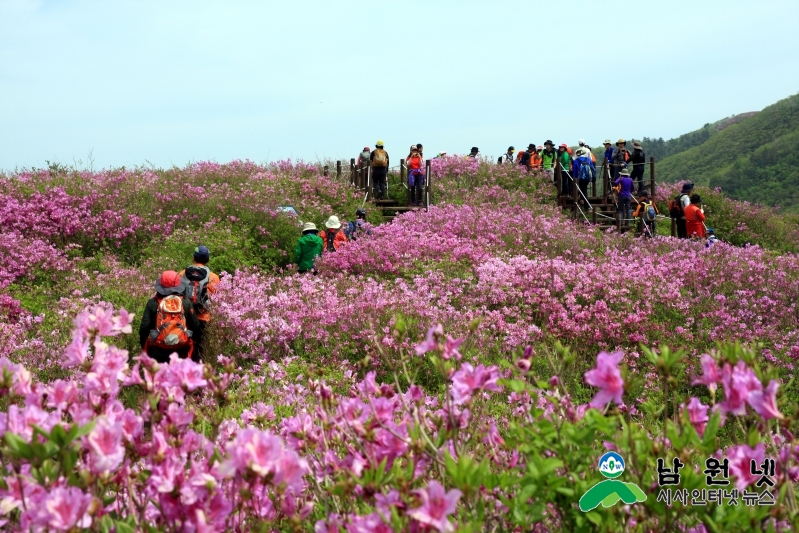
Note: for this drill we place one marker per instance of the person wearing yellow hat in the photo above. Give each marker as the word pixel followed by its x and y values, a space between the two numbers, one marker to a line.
pixel 380 163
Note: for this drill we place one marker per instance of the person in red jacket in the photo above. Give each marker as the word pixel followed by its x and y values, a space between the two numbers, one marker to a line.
pixel 333 236
pixel 416 176
pixel 695 217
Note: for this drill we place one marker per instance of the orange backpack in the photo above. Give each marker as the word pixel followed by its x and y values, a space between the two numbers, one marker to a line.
pixel 170 324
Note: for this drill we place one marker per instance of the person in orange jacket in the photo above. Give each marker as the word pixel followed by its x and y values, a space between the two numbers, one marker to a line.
pixel 333 237
pixel 695 217
pixel 201 283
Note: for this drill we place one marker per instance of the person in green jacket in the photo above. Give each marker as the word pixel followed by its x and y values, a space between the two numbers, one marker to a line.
pixel 548 158
pixel 309 247
pixel 564 159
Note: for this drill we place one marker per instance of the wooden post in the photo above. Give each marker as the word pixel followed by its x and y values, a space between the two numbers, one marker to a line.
pixel 593 185
pixel 427 185
pixel 404 180
pixel 326 172
pixel 652 177
pixel 618 221
pixel 338 169
pixel 353 175
pixel 593 214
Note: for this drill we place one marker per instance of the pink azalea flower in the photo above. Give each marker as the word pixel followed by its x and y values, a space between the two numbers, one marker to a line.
pixel 607 377
pixel 188 373
pixel 765 402
pixel 105 443
pixel 740 458
pixel 738 382
pixel 451 348
pixel 64 509
pixel 431 342
pixel 697 413
pixel 468 379
pixel 711 374
pixel 436 506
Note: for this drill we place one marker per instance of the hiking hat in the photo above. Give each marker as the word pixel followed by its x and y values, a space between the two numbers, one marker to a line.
pixel 636 144
pixel 582 142
pixel 309 226
pixel 624 172
pixel 170 282
pixel 202 254
pixel 711 231
pixel 621 141
pixel 579 152
pixel 531 146
pixel 511 149
pixel 607 141
pixel 333 222
pixel 696 199
pixel 379 144
pixel 540 148
pixel 687 186
pixel 563 145
pixel 549 143
pixel 413 147
pixel 365 148
pixel 475 149
pixel 360 212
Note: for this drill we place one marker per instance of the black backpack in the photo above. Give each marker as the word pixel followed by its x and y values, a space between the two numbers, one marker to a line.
pixel 197 291
pixel 330 239
pixel 675 206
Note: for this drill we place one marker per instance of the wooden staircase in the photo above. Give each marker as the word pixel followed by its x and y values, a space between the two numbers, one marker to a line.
pixel 391 208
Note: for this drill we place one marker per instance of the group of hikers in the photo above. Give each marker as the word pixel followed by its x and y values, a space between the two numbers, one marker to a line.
pixel 175 319
pixel 313 243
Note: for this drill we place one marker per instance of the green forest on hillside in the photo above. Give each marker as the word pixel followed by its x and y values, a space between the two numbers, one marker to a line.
pixel 754 159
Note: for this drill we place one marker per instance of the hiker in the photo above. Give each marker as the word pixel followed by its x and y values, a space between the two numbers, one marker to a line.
pixel 379 162
pixel 548 158
pixel 333 236
pixel 527 156
pixel 168 322
pixel 590 154
pixel 638 162
pixel 415 176
pixel 621 155
pixel 535 158
pixel 201 283
pixel 421 150
pixel 711 238
pixel 507 158
pixel 677 207
pixel 474 153
pixel 648 213
pixel 624 187
pixel 695 217
pixel 356 228
pixel 309 247
pixel 363 157
pixel 564 160
pixel 608 160
pixel 584 171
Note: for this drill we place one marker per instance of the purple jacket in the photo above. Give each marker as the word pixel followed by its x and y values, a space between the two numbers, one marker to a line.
pixel 626 186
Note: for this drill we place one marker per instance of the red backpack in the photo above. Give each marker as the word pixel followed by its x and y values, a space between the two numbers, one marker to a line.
pixel 170 324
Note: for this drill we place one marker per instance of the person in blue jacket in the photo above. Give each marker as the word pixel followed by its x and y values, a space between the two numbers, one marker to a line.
pixel 608 161
pixel 584 171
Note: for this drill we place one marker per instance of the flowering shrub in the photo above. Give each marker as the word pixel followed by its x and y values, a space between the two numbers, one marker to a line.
pixel 329 403
pixel 356 454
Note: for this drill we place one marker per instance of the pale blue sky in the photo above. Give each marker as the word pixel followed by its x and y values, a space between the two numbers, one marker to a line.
pixel 171 82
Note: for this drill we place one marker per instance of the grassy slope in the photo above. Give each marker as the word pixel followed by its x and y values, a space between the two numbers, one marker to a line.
pixel 753 160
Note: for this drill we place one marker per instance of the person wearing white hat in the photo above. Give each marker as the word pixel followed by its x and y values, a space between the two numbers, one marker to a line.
pixel 309 247
pixel 332 236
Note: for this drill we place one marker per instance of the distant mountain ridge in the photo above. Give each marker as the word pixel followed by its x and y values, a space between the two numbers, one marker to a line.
pixel 752 156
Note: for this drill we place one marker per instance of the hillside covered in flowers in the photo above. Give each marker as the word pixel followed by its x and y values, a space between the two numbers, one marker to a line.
pixel 457 369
